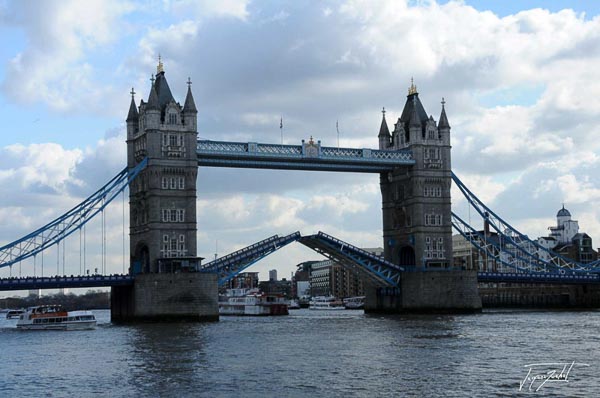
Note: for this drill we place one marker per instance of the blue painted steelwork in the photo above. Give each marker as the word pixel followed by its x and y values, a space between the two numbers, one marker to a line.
pixel 58 229
pixel 227 267
pixel 541 277
pixel 492 248
pixel 381 272
pixel 57 282
pixel 517 245
pixel 308 156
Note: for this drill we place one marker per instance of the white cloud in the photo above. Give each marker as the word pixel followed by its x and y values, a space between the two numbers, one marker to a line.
pixel 209 8
pixel 53 68
pixel 47 165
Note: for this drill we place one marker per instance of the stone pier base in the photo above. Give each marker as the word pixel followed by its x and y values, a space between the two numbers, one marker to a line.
pixel 167 297
pixel 428 292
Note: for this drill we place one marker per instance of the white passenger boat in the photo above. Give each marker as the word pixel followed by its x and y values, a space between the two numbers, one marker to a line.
pixel 253 303
pixel 325 303
pixel 14 314
pixel 354 303
pixel 294 305
pixel 54 317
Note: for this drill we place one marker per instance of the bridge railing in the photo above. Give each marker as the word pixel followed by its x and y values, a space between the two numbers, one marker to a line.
pixel 227 267
pixel 380 271
pixel 258 150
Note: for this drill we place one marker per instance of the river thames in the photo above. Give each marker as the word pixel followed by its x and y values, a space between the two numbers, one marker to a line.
pixel 311 354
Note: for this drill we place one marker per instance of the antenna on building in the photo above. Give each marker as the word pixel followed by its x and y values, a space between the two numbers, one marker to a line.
pixel 216 248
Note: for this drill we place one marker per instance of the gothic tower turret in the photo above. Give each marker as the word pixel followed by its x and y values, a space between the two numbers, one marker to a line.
pixel 384 133
pixel 416 203
pixel 163 197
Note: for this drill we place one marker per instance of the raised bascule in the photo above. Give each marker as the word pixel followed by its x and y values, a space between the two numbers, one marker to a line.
pixel 168 281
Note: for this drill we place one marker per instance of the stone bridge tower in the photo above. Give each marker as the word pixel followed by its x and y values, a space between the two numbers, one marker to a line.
pixel 162 206
pixel 162 198
pixel 417 229
pixel 417 226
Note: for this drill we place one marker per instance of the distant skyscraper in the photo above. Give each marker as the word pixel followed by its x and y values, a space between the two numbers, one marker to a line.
pixel 273 275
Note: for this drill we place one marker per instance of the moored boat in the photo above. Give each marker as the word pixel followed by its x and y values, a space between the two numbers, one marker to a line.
pixel 253 303
pixel 54 317
pixel 294 305
pixel 14 314
pixel 354 303
pixel 325 303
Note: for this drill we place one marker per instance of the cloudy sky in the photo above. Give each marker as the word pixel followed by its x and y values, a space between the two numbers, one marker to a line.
pixel 521 83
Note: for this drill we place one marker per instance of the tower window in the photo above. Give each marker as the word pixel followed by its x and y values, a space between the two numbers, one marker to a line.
pixel 172 118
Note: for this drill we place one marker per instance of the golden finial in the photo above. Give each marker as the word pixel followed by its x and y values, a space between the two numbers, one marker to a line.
pixel 159 68
pixel 412 89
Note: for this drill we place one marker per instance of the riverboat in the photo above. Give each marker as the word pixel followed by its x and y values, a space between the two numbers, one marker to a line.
pixel 54 317
pixel 254 304
pixel 294 305
pixel 14 314
pixel 354 303
pixel 325 303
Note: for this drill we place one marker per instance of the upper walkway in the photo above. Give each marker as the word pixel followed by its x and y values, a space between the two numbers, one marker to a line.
pixel 307 156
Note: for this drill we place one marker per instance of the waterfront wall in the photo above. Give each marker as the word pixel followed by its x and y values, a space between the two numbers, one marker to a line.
pixel 539 295
pixel 428 292
pixel 167 297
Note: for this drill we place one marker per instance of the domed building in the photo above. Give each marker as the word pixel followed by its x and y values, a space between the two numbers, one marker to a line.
pixel 565 228
pixel 566 240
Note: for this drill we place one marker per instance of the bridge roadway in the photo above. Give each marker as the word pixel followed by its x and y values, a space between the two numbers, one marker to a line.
pixel 57 282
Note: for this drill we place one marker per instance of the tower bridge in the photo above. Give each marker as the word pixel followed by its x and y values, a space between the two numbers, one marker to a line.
pixel 413 161
pixel 167 280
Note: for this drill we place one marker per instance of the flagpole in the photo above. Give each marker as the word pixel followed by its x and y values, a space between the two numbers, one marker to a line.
pixel 338 133
pixel 281 128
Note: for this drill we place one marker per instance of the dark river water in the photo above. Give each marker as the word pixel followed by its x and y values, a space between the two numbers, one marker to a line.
pixel 311 354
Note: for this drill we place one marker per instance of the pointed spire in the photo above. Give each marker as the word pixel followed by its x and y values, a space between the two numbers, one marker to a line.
pixel 159 67
pixel 153 97
pixel 415 120
pixel 133 115
pixel 163 92
pixel 189 106
pixel 383 130
pixel 412 89
pixel 443 119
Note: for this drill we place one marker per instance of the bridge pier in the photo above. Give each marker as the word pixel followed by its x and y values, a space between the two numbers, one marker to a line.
pixel 167 297
pixel 445 291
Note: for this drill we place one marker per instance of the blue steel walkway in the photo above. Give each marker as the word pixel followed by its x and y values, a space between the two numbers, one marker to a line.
pixel 308 156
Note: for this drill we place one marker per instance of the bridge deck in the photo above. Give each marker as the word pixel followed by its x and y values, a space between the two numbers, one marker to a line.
pixel 57 282
pixel 547 278
pixel 308 156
